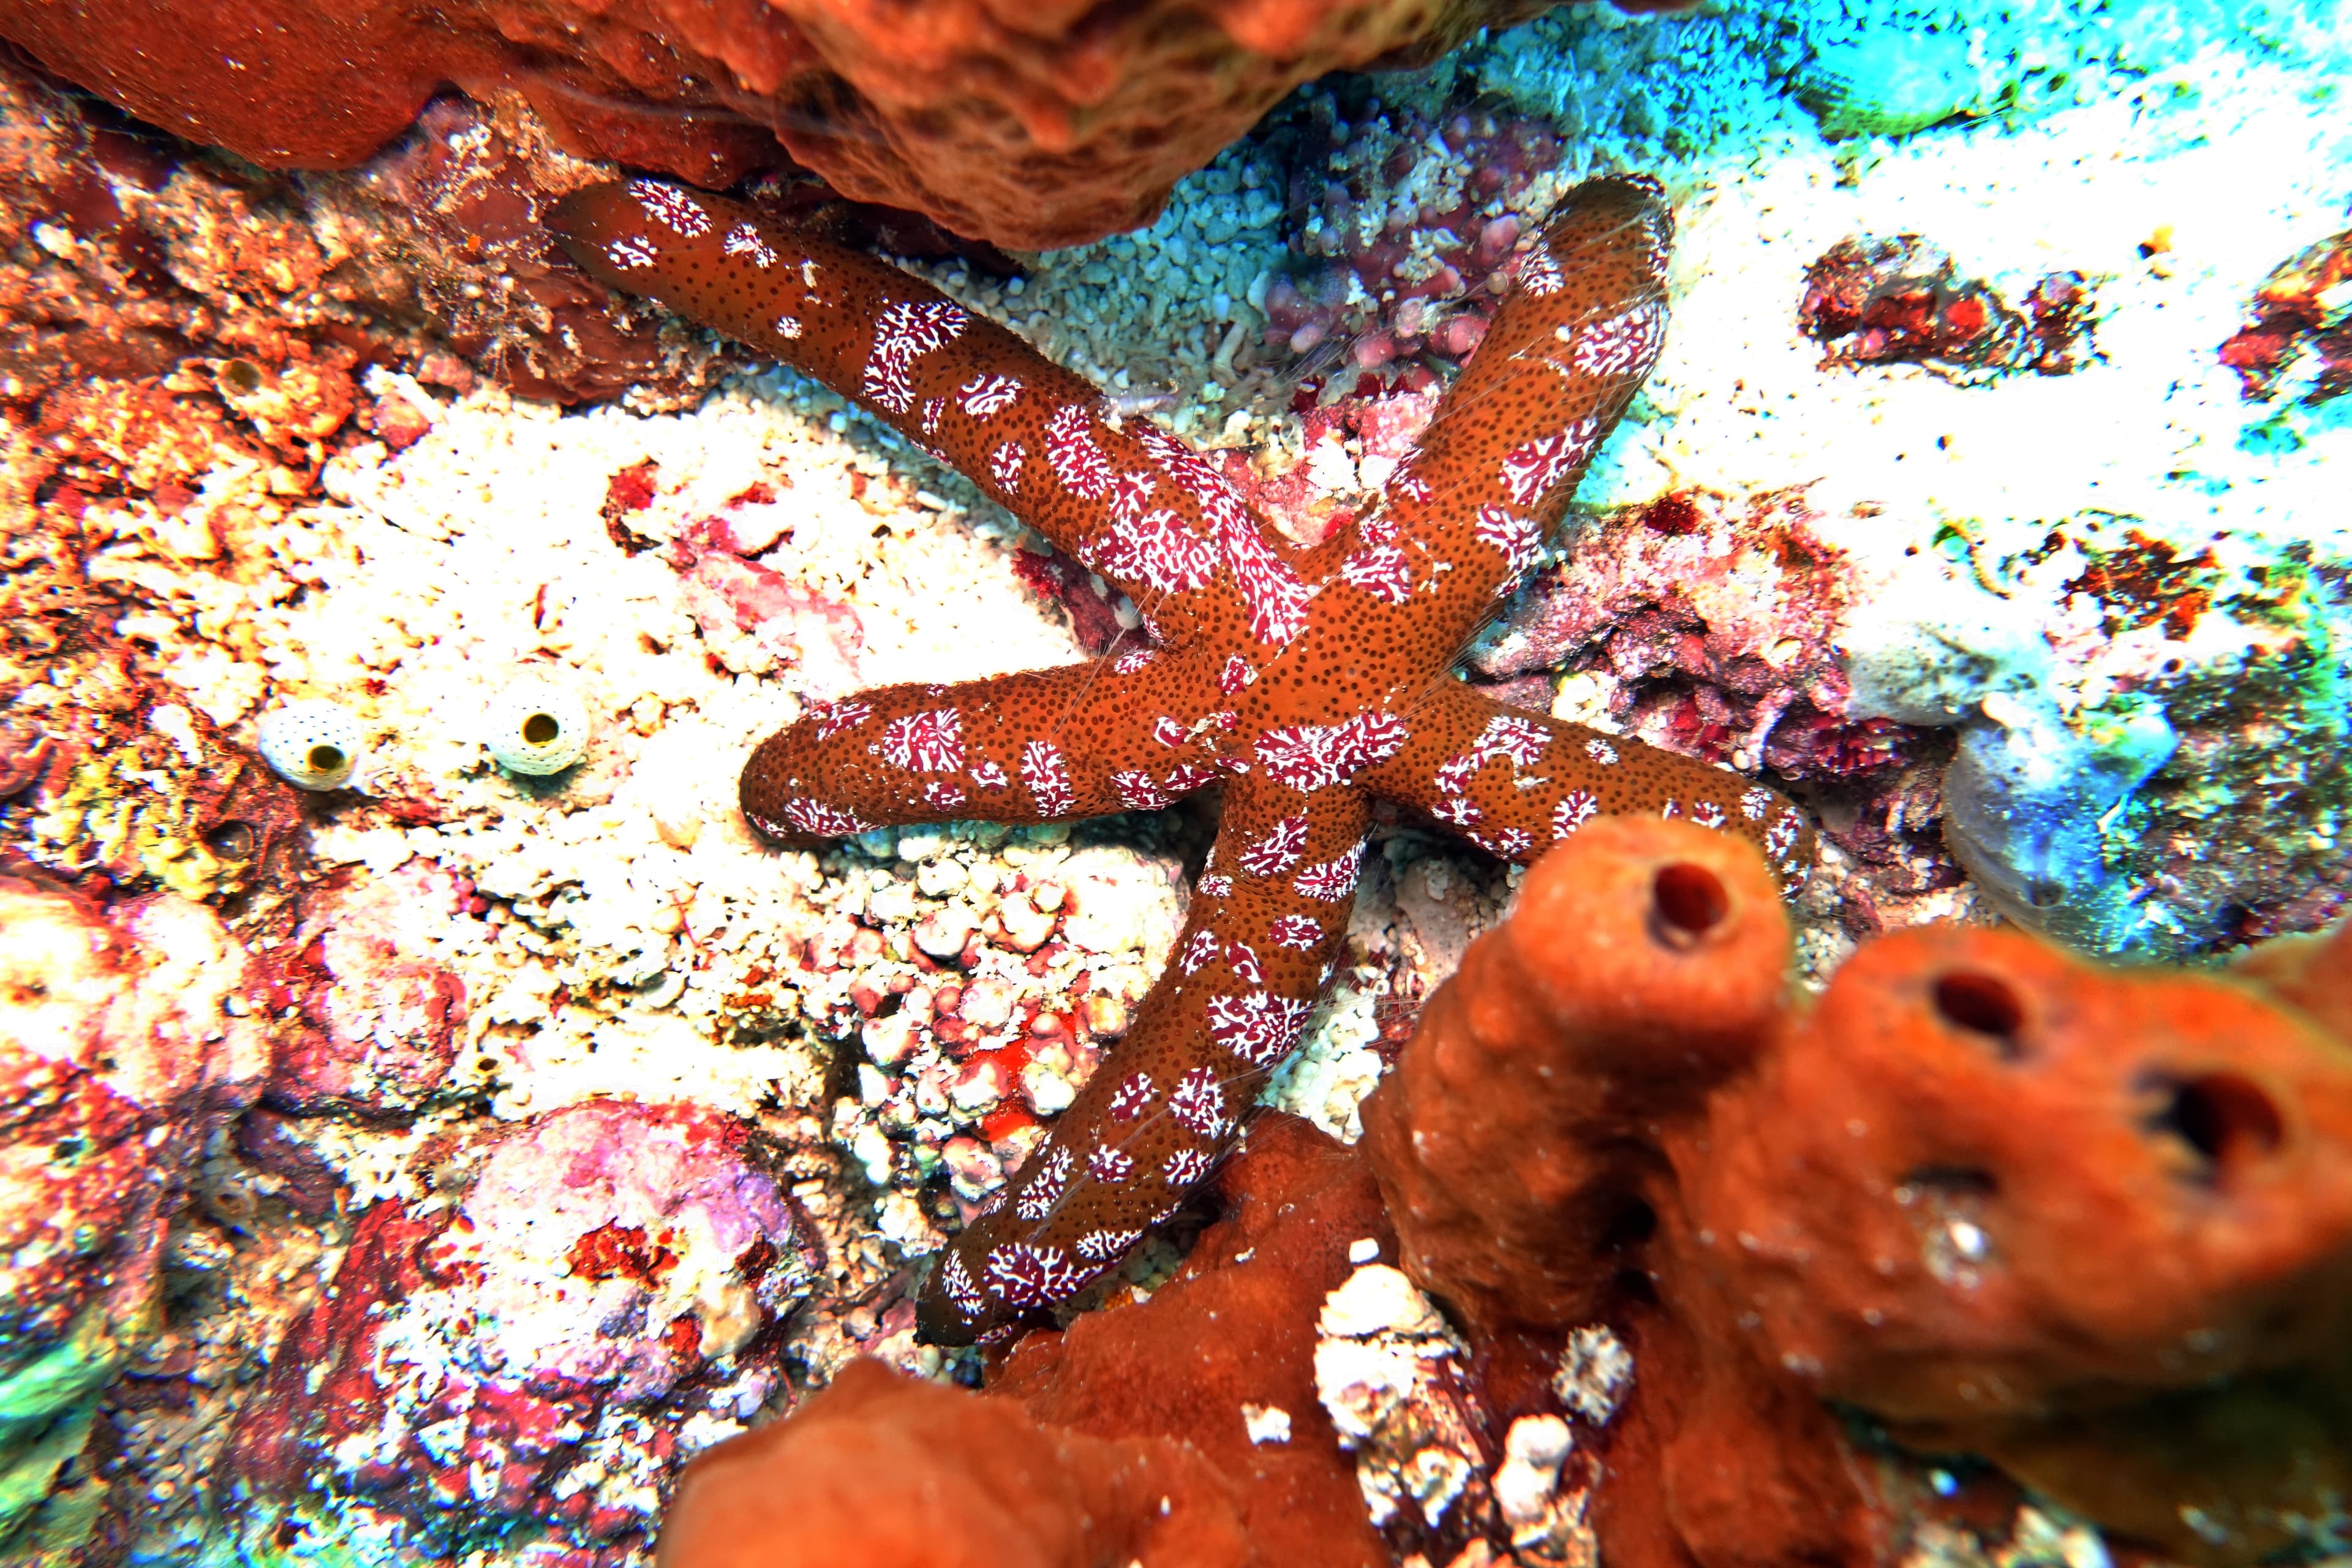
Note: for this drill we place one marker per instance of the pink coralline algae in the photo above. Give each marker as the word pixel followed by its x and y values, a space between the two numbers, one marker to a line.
pixel 1306 681
pixel 1903 302
pixel 2299 311
pixel 380 1021
pixel 1409 236
pixel 524 1355
pixel 131 1038
pixel 1710 618
pixel 1707 624
pixel 754 619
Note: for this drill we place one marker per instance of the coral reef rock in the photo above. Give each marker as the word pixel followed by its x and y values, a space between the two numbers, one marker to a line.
pixel 1008 125
pixel 126 1040
pixel 530 1356
pixel 445 225
pixel 2093 1225
pixel 2031 786
pixel 2299 307
pixel 381 1018
pixel 170 312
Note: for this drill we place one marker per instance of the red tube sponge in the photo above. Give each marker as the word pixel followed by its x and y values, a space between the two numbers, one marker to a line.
pixel 2093 1223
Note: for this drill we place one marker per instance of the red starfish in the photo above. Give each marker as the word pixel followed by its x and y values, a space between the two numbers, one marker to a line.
pixel 1308 682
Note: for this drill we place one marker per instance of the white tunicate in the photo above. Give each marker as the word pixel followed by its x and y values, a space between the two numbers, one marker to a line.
pixel 310 745
pixel 538 727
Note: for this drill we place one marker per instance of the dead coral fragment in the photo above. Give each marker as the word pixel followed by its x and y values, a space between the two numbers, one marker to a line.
pixel 1903 302
pixel 1393 1377
pixel 2093 1225
pixel 2306 304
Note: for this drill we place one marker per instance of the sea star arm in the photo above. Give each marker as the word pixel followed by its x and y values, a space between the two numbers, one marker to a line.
pixel 1115 734
pixel 1266 921
pixel 1465 518
pixel 1129 501
pixel 1515 783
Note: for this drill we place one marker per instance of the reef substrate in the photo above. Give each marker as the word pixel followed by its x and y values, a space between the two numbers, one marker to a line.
pixel 353 438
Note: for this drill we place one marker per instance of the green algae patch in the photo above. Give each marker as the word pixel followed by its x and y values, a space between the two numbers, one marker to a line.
pixel 1889 83
pixel 47 1407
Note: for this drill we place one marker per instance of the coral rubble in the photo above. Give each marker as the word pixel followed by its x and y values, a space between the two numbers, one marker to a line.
pixel 2301 314
pixel 1902 301
pixel 2095 1225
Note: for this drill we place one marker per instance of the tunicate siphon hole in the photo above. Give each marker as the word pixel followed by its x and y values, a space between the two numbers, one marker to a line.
pixel 326 759
pixel 1636 1285
pixel 539 728
pixel 231 840
pixel 1686 901
pixel 1633 1224
pixel 2227 1119
pixel 1983 1004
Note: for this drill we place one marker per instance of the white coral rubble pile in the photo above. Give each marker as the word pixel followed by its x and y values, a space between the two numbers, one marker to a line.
pixel 1395 1376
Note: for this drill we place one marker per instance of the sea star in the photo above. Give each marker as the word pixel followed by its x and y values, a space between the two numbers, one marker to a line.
pixel 1308 682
